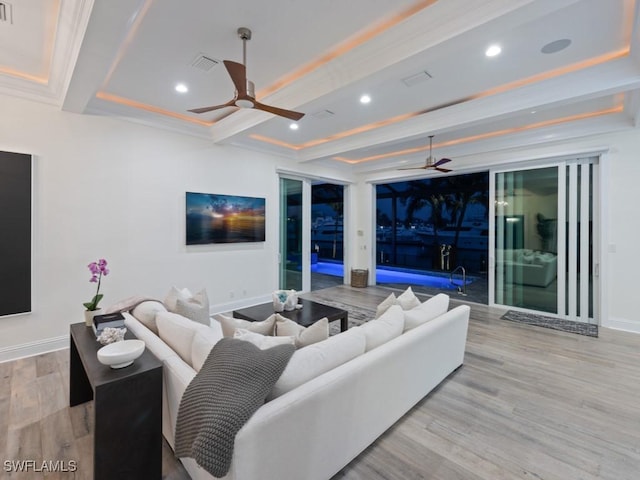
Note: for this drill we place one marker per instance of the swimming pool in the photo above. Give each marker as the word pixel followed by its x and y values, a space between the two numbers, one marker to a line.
pixel 397 275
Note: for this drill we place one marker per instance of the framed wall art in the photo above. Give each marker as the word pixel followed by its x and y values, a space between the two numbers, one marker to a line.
pixel 214 218
pixel 15 240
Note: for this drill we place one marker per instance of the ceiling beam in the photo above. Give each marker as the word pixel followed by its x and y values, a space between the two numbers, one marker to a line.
pixel 617 76
pixel 424 30
pixel 109 25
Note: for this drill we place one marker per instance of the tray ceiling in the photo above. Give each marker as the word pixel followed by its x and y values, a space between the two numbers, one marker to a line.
pixel 422 63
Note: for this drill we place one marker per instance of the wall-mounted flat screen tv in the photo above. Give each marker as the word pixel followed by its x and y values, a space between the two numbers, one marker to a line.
pixel 213 218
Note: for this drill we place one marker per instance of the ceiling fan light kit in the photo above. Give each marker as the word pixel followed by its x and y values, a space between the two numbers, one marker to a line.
pixel 245 96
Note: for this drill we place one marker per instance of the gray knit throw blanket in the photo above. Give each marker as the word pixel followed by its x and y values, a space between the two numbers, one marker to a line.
pixel 232 384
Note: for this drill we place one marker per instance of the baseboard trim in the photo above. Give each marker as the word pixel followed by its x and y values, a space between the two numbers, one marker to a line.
pixel 622 324
pixel 30 349
pixel 243 303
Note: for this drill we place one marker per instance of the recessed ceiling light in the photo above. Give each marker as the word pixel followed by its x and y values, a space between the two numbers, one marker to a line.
pixel 293 126
pixel 182 88
pixel 493 50
pixel 365 99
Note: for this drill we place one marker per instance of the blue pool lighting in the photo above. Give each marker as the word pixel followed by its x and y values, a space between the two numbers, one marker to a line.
pixel 398 275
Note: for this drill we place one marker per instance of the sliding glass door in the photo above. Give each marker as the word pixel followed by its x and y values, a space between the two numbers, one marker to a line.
pixel 544 244
pixel 291 233
pixel 526 250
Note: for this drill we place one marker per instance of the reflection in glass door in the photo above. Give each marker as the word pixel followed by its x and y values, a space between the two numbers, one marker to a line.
pixel 291 233
pixel 526 240
pixel 544 245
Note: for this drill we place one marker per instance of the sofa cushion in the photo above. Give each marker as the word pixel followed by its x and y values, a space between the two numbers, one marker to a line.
pixel 145 313
pixel 262 341
pixel 303 336
pixel 190 340
pixel 229 325
pixel 428 310
pixel 195 308
pixel 314 360
pixel 384 328
pixel 172 296
pixel 204 339
pixel 385 304
pixel 177 332
pixel 408 300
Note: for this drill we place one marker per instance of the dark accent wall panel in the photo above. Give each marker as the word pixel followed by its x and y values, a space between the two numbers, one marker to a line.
pixel 15 233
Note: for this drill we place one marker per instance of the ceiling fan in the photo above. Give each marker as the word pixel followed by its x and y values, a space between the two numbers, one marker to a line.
pixel 430 162
pixel 245 96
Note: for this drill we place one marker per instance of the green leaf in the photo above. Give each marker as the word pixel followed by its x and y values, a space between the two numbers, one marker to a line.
pixel 93 304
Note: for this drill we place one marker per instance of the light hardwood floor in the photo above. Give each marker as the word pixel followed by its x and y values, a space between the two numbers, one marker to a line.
pixel 528 403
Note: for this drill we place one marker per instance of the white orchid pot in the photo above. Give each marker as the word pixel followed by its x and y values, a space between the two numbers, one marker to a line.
pixel 89 314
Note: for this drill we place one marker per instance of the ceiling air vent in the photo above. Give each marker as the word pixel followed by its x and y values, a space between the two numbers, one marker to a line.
pixel 204 63
pixel 412 80
pixel 322 114
pixel 5 13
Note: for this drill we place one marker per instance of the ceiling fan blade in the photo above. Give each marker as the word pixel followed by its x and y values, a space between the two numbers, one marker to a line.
pixel 291 115
pixel 442 161
pixel 414 168
pixel 215 107
pixel 238 74
pixel 443 170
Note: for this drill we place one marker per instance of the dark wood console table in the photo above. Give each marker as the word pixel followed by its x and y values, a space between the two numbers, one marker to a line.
pixel 128 409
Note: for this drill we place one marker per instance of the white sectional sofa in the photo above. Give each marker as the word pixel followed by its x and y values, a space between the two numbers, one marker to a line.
pixel 312 430
pixel 529 267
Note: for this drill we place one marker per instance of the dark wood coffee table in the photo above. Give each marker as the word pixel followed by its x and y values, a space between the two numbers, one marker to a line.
pixel 310 313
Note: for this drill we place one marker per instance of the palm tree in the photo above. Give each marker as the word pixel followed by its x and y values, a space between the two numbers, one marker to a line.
pixel 332 196
pixel 420 194
pixel 466 190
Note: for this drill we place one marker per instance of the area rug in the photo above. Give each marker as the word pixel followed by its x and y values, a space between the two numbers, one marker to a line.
pixel 550 322
pixel 357 315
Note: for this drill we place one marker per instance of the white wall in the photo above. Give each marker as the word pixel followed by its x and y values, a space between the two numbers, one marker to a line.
pixel 114 189
pixel 621 255
pixel 621 213
pixel 109 188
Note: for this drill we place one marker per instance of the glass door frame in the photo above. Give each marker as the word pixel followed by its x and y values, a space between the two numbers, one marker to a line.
pixel 348 203
pixel 493 172
pixel 306 233
pixel 561 163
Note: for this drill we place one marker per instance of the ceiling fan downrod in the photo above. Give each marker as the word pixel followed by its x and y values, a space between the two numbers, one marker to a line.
pixel 430 159
pixel 245 34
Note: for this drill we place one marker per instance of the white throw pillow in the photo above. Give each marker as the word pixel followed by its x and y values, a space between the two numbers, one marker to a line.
pixel 172 297
pixel 195 308
pixel 314 360
pixel 145 313
pixel 262 341
pixel 177 332
pixel 385 304
pixel 408 300
pixel 385 328
pixel 303 336
pixel 203 341
pixel 229 325
pixel 428 310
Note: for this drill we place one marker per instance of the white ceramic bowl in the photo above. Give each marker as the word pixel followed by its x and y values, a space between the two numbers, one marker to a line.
pixel 120 354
